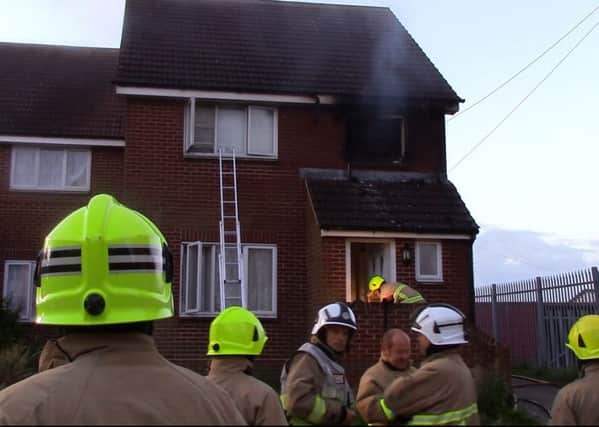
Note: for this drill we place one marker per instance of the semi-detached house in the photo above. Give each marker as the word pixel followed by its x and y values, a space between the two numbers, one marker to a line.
pixel 337 119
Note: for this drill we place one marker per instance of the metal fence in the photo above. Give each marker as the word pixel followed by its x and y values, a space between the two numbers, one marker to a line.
pixel 532 317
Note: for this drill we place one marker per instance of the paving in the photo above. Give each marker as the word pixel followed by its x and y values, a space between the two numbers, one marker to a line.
pixel 535 397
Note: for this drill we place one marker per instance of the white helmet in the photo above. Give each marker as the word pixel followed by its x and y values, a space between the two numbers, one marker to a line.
pixel 337 313
pixel 442 324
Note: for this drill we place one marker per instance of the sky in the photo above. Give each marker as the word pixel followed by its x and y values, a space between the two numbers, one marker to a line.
pixel 537 172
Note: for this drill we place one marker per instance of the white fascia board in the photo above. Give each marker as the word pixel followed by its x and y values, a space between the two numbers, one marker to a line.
pixel 392 234
pixel 225 96
pixel 10 139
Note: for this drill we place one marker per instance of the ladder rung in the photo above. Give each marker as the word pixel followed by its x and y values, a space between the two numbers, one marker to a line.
pixel 228 173
pixel 229 216
pixel 228 233
pixel 228 201
pixel 232 282
pixel 228 187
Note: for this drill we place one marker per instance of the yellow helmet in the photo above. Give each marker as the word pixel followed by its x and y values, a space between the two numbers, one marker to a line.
pixel 236 331
pixel 583 338
pixel 104 264
pixel 375 282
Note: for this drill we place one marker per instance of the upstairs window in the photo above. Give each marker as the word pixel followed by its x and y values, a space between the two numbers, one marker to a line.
pixel 249 129
pixel 376 139
pixel 200 286
pixel 429 264
pixel 18 288
pixel 50 169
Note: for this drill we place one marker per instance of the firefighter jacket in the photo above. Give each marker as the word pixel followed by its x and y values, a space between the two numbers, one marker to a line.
pixel 314 388
pixel 399 293
pixel 442 391
pixel 372 387
pixel 116 379
pixel 52 356
pixel 578 402
pixel 258 403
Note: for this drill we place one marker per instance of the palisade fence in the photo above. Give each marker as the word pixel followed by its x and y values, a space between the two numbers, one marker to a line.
pixel 533 317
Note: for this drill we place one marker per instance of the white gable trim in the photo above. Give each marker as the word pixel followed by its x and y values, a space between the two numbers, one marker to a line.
pixel 10 139
pixel 392 234
pixel 225 96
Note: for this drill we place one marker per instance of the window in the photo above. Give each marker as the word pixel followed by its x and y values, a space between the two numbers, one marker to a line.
pixel 37 168
pixel 428 262
pixel 250 130
pixel 379 139
pixel 200 289
pixel 18 288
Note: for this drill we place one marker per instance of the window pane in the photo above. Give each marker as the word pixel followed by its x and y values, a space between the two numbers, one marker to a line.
pixel 192 277
pixel 261 131
pixel 203 130
pixel 428 259
pixel 260 279
pixel 18 290
pixel 77 168
pixel 51 168
pixel 24 173
pixel 231 128
pixel 209 285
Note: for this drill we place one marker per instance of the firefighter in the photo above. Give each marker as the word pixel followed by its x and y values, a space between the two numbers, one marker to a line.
pixel 104 275
pixel 236 337
pixel 442 390
pixel 577 402
pixel 398 293
pixel 314 388
pixel 393 363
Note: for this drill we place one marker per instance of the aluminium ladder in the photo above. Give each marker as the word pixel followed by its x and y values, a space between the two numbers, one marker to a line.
pixel 231 277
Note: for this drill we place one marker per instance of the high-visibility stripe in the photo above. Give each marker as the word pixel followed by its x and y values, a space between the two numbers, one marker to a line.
pixel 60 261
pixel 451 417
pixel 389 414
pixel 135 259
pixel 318 411
pixel 414 299
pixel 134 250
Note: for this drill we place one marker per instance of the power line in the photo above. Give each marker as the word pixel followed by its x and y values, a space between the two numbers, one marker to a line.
pixel 525 67
pixel 484 138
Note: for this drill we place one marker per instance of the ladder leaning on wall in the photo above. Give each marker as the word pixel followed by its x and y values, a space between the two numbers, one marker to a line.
pixel 230 258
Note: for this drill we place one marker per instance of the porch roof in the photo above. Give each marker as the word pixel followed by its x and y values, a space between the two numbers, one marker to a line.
pixel 414 205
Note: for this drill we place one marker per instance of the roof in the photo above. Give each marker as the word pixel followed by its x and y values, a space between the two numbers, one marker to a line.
pixel 59 91
pixel 268 46
pixel 413 206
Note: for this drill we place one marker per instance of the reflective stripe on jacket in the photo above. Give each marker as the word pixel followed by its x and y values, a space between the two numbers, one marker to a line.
pixel 314 389
pixel 258 403
pixel 116 379
pixel 404 294
pixel 578 402
pixel 442 391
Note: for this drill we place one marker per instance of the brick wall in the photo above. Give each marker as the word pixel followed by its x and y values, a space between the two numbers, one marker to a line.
pixel 181 196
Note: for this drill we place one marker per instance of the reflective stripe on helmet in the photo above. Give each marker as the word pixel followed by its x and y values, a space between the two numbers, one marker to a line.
pixel 61 261
pixel 135 258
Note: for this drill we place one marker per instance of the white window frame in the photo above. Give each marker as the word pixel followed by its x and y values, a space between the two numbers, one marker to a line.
pixel 36 169
pixel 28 314
pixel 420 277
pixel 261 313
pixel 196 311
pixel 189 130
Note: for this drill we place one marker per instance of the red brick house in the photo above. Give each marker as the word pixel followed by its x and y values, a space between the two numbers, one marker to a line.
pixel 337 117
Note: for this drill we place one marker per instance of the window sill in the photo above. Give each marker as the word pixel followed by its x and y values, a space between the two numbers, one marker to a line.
pixel 429 281
pixel 237 157
pixel 213 315
pixel 49 190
